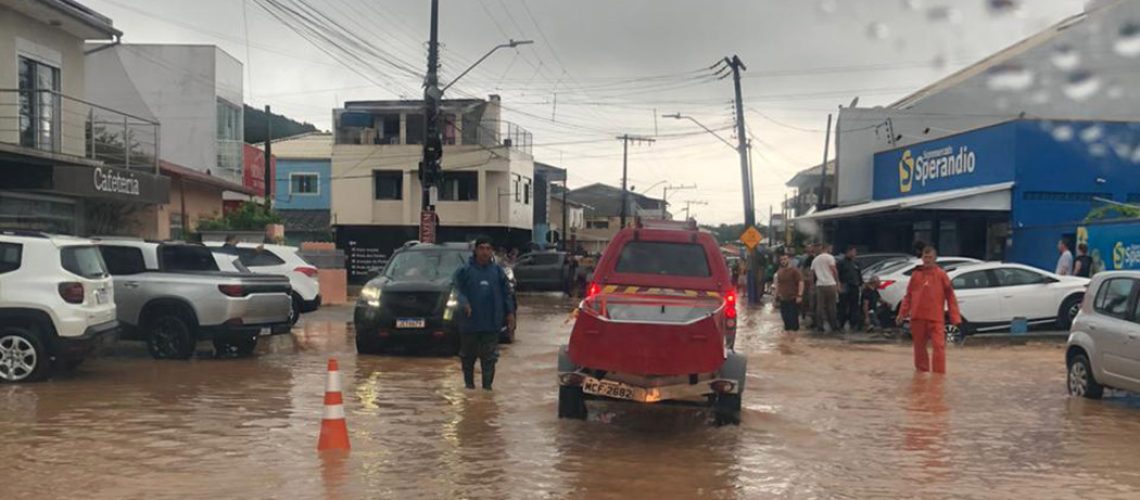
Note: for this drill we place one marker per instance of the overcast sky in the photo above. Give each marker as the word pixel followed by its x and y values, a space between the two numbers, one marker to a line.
pixel 615 66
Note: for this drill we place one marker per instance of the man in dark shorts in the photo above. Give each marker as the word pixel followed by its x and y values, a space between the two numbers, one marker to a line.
pixel 485 297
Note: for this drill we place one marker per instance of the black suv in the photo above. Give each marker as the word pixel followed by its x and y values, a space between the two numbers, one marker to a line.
pixel 412 302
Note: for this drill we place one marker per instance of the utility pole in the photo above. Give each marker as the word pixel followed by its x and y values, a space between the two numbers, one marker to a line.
pixel 565 218
pixel 665 197
pixel 689 204
pixel 625 140
pixel 737 66
pixel 269 180
pixel 823 169
pixel 430 169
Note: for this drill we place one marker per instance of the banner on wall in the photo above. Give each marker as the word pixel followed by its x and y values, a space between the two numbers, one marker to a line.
pixel 1112 246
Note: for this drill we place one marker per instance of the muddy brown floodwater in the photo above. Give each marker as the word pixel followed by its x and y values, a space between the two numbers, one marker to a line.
pixel 822 419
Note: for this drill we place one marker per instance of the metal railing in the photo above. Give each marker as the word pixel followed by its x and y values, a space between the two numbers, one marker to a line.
pixel 506 134
pixel 49 121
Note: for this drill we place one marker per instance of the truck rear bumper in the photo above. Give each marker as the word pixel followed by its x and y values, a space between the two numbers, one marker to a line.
pixel 612 389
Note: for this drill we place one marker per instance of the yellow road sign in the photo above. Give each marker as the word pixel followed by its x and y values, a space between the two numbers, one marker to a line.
pixel 751 237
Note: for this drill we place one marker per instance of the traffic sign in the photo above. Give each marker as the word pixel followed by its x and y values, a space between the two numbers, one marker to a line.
pixel 751 237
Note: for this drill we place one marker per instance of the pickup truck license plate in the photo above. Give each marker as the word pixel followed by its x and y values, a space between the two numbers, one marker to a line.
pixel 410 323
pixel 101 297
pixel 611 389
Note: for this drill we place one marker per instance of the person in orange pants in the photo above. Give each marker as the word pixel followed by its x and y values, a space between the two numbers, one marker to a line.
pixel 929 296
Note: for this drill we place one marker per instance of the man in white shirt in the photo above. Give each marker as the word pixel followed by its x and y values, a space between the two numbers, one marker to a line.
pixel 826 289
pixel 1065 262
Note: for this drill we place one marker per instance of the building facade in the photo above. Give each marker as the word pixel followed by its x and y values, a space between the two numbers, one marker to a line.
pixel 602 205
pixel 71 164
pixel 195 91
pixel 488 178
pixel 303 192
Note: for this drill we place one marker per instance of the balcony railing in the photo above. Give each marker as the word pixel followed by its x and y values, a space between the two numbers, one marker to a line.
pixel 52 122
pixel 507 134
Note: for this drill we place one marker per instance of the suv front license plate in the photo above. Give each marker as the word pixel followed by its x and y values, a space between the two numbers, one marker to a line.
pixel 410 323
pixel 611 389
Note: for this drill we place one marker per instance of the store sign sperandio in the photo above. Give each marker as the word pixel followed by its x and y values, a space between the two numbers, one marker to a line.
pixel 110 181
pixel 935 164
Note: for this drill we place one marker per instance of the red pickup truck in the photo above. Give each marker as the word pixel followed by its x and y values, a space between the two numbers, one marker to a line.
pixel 658 325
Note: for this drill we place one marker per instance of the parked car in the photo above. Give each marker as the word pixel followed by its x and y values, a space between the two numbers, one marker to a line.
pixel 894 279
pixel 867 260
pixel 874 269
pixel 413 303
pixel 173 294
pixel 57 304
pixel 281 260
pixel 1104 342
pixel 542 271
pixel 992 294
pixel 658 325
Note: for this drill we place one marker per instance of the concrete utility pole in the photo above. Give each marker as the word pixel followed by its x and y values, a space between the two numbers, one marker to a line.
pixel 737 66
pixel 430 169
pixel 823 169
pixel 269 180
pixel 665 197
pixel 625 140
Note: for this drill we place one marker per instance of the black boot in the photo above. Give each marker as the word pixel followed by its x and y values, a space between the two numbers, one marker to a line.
pixel 469 373
pixel 488 375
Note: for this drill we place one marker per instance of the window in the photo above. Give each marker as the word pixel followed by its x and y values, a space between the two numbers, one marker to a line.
pixel 253 257
pixel 598 224
pixel 1012 276
pixel 123 261
pixel 1112 298
pixel 39 105
pixel 178 258
pixel 666 259
pixel 83 261
pixel 176 229
pixel 526 191
pixel 416 130
pixel 459 186
pixel 304 184
pixel 387 185
pixel 518 188
pixel 426 265
pixel 230 146
pixel 972 281
pixel 10 257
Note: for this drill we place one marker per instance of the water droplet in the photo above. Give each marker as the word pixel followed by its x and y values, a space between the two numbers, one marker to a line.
pixel 1039 97
pixel 828 6
pixel 1128 40
pixel 1122 149
pixel 1009 77
pixel 878 31
pixel 1002 6
pixel 1098 150
pixel 1115 92
pixel 1081 85
pixel 943 13
pixel 1136 155
pixel 1002 103
pixel 1063 133
pixel 1065 57
pixel 912 4
pixel 1092 134
pixel 939 61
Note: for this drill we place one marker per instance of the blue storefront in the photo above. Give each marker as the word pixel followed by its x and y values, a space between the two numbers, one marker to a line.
pixel 1005 192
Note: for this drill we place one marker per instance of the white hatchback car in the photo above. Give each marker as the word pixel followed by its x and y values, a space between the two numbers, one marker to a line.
pixel 281 260
pixel 990 295
pixel 1104 342
pixel 894 279
pixel 57 303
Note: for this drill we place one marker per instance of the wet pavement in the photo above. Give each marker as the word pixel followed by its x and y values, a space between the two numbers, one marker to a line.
pixel 822 419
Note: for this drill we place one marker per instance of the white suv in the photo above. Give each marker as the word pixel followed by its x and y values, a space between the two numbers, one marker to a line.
pixel 56 304
pixel 1104 342
pixel 280 260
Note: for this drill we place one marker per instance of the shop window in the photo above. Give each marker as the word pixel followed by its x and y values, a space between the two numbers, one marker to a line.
pixel 948 243
pixel 304 184
pixel 387 185
pixel 10 257
pixel 459 186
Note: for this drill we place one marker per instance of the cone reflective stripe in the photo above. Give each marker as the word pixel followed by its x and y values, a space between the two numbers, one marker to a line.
pixel 334 429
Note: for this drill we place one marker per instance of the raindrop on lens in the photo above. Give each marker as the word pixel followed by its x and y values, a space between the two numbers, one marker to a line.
pixel 939 61
pixel 828 6
pixel 1098 150
pixel 1065 57
pixel 1128 40
pixel 1081 85
pixel 1009 77
pixel 1115 93
pixel 1092 134
pixel 1002 6
pixel 912 4
pixel 878 31
pixel 943 13
pixel 1063 133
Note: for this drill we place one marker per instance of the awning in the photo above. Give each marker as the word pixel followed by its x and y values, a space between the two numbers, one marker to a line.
pixel 991 197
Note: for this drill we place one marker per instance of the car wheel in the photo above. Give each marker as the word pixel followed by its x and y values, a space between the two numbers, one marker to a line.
pixel 571 403
pixel 170 337
pixel 1082 383
pixel 23 357
pixel 1069 309
pixel 957 334
pixel 726 409
pixel 240 348
pixel 295 310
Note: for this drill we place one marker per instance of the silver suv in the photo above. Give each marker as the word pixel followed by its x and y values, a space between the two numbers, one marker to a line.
pixel 1104 341
pixel 56 304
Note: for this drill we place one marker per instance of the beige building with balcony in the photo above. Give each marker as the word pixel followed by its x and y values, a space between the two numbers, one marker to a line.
pixel 488 177
pixel 70 164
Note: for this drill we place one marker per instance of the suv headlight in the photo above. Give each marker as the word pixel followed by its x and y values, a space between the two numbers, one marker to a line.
pixel 371 295
pixel 452 305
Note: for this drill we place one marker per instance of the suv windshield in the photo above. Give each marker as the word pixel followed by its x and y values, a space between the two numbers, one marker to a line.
pixel 668 259
pixel 424 264
pixel 83 261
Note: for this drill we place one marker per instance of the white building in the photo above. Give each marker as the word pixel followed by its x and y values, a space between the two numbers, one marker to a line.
pixel 488 177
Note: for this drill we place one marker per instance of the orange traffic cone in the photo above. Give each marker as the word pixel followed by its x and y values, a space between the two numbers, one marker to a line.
pixel 334 430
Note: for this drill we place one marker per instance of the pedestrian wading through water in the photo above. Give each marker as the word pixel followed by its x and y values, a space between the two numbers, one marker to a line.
pixel 485 299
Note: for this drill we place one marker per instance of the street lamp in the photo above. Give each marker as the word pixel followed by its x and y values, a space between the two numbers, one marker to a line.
pixel 679 116
pixel 510 44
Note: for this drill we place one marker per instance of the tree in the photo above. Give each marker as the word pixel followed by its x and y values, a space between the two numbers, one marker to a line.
pixel 249 217
pixel 282 126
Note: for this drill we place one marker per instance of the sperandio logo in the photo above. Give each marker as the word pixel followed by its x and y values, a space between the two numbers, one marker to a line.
pixel 933 165
pixel 1125 256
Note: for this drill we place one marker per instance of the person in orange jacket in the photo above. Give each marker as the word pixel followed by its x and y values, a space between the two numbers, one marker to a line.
pixel 929 296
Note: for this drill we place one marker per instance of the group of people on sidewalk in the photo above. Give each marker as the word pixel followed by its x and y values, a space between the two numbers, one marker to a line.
pixel 841 296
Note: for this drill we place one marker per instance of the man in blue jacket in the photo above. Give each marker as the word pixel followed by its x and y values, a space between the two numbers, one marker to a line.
pixel 485 298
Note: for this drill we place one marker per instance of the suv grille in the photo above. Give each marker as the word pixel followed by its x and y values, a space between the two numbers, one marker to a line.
pixel 411 303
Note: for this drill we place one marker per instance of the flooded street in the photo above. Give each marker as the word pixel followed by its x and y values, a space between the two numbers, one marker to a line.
pixel 821 419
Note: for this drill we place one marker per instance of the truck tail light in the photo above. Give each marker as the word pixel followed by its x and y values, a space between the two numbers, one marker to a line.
pixel 885 283
pixel 307 271
pixel 71 292
pixel 593 290
pixel 232 290
pixel 730 304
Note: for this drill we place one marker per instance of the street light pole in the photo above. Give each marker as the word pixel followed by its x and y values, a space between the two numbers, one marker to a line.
pixel 665 197
pixel 509 45
pixel 679 116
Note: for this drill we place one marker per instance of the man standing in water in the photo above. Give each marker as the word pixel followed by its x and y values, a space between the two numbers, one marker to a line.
pixel 484 296
pixel 928 296
pixel 788 288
